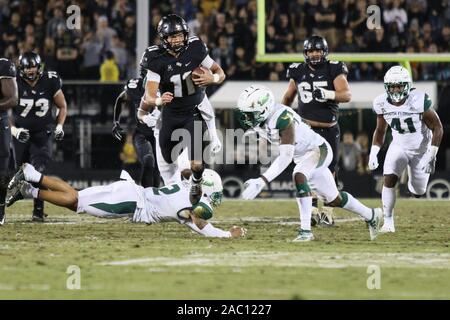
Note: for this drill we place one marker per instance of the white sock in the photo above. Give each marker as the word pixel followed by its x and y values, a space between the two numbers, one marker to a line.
pixel 31 174
pixel 388 198
pixel 357 207
pixel 305 206
pixel 28 191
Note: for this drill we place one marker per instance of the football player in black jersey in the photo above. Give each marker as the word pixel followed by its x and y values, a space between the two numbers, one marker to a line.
pixel 169 67
pixel 321 85
pixel 143 137
pixel 8 99
pixel 33 122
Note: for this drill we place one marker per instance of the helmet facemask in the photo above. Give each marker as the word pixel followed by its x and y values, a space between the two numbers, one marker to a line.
pixel 397 96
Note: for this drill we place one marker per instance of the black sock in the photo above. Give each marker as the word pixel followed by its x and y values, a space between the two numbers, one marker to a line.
pixel 315 203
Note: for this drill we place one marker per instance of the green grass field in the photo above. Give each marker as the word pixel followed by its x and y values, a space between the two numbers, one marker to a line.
pixel 121 260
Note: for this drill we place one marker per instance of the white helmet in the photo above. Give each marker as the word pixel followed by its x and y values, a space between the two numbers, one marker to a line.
pixel 394 77
pixel 212 186
pixel 255 104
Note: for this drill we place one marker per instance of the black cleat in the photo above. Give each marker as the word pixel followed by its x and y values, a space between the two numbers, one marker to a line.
pixel 13 194
pixel 19 176
pixel 38 216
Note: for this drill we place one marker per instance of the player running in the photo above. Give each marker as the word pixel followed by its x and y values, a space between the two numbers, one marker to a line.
pixel 310 152
pixel 416 135
pixel 127 199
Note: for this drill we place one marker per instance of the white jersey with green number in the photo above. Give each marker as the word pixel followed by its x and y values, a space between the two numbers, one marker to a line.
pixel 168 203
pixel 408 129
pixel 305 138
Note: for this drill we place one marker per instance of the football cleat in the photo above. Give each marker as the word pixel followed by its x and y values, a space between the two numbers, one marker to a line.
pixel 19 176
pixel 315 217
pixel 13 194
pixel 374 223
pixel 326 217
pixel 304 236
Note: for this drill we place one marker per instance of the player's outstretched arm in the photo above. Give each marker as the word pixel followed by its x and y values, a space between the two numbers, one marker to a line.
pixel 9 93
pixel 290 94
pixel 208 230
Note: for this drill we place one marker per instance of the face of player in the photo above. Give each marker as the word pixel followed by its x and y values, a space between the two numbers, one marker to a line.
pixel 31 73
pixel 396 88
pixel 176 40
pixel 315 56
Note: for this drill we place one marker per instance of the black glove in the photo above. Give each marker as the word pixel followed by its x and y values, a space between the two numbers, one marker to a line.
pixel 318 94
pixel 117 131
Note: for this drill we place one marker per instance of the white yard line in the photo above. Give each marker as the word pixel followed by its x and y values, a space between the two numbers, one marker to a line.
pixel 295 259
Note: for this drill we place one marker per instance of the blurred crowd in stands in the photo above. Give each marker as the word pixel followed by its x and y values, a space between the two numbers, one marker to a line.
pixel 108 29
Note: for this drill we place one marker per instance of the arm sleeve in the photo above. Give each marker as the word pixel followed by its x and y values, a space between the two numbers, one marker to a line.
pixel 207 62
pixel 56 84
pixel 281 162
pixel 7 69
pixel 209 230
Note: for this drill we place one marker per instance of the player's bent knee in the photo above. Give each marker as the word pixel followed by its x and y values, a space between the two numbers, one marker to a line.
pixel 390 180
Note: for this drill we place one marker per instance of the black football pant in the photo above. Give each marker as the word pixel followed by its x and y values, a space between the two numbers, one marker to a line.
pixel 146 152
pixel 333 136
pixel 5 141
pixel 180 131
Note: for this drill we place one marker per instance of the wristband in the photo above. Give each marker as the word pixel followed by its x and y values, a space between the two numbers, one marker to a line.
pixel 158 101
pixel 374 149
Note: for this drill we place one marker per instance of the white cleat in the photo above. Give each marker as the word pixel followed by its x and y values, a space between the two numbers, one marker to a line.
pixel 388 225
pixel 374 224
pixel 304 236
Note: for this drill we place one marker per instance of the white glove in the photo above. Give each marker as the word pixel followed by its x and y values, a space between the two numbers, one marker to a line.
pixel 373 159
pixel 21 134
pixel 252 188
pixel 428 161
pixel 151 119
pixel 216 145
pixel 59 132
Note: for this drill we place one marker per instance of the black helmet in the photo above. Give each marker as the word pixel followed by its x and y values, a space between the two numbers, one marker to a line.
pixel 27 60
pixel 315 43
pixel 170 25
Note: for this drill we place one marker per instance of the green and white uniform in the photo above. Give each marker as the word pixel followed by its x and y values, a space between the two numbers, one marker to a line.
pixel 410 137
pixel 312 154
pixel 146 205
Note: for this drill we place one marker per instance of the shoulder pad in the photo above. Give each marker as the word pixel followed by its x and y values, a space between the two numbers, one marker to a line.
pixel 7 69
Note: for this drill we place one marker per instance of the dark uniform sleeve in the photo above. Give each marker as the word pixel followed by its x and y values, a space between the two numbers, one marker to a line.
pixel 198 47
pixel 337 68
pixel 55 82
pixel 7 69
pixel 149 61
pixel 292 71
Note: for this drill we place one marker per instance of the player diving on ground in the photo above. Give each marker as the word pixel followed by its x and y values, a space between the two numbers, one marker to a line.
pixel 124 198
